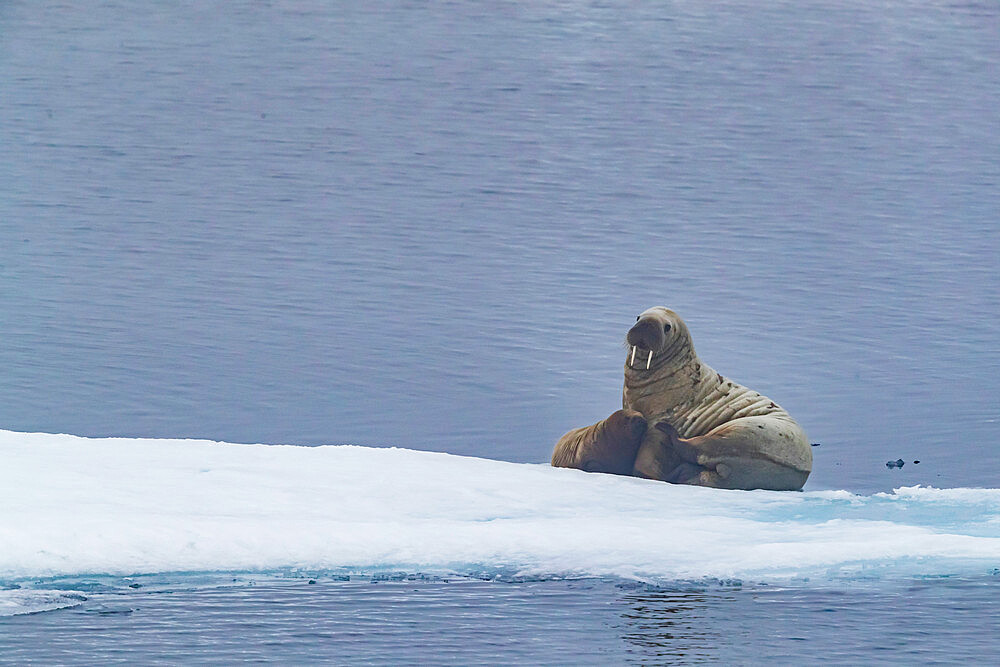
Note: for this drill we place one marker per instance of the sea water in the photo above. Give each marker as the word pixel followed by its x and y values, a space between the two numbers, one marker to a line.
pixel 393 621
pixel 430 225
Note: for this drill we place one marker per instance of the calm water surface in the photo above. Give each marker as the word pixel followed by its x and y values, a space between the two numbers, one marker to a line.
pixel 475 622
pixel 430 225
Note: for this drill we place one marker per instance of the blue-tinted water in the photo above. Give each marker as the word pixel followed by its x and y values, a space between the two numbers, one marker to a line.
pixel 391 620
pixel 430 226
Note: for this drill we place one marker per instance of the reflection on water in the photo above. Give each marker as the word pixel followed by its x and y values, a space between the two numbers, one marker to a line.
pixel 904 623
pixel 421 621
pixel 672 626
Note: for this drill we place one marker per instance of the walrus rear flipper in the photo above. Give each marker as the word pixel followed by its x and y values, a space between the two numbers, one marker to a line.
pixel 761 452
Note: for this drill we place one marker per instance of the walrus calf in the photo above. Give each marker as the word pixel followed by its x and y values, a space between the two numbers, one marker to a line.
pixel 610 445
pixel 703 428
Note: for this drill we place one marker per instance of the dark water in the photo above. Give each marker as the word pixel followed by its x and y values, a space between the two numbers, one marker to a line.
pixel 474 622
pixel 429 225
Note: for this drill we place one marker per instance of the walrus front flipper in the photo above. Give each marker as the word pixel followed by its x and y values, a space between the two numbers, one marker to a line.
pixel 664 456
pixel 609 445
pixel 762 452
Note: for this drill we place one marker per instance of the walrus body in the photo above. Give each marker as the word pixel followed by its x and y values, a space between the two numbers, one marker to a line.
pixel 704 429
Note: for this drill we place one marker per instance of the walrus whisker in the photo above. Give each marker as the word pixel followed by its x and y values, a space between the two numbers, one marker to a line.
pixel 649 360
pixel 632 360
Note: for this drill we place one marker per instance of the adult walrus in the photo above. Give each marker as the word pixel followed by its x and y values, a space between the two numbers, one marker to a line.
pixel 705 429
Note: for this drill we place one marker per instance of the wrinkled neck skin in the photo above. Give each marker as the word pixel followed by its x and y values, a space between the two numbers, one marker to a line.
pixel 682 390
pixel 674 375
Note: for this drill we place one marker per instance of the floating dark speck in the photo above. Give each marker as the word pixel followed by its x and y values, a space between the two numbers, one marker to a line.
pixel 815 444
pixel 898 463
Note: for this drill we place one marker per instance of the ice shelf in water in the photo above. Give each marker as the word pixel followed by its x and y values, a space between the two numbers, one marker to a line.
pixel 71 505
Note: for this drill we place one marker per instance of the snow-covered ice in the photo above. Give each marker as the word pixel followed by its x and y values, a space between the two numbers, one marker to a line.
pixel 71 505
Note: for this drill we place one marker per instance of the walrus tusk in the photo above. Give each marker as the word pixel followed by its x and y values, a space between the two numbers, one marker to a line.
pixel 649 361
pixel 631 361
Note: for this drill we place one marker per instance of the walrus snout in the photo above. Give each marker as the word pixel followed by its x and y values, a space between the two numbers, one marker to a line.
pixel 628 422
pixel 615 449
pixel 647 333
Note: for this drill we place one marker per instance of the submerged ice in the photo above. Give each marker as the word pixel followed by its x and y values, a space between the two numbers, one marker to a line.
pixel 73 505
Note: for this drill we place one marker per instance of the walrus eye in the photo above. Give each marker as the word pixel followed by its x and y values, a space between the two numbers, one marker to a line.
pixel 666 328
